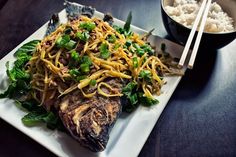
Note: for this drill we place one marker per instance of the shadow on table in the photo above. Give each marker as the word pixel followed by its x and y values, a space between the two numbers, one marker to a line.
pixel 195 80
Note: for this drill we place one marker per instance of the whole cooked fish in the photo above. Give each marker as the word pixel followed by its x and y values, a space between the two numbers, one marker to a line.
pixel 90 121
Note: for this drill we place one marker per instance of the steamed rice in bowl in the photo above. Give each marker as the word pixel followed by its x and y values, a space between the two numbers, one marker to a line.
pixel 185 12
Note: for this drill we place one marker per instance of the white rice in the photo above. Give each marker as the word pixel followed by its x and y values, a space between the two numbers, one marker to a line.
pixel 185 12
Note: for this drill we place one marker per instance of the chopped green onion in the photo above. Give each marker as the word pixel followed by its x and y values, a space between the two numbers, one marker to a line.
pixel 74 72
pixel 84 68
pixel 85 59
pixel 147 48
pixel 111 38
pixel 135 62
pixel 93 82
pixel 79 78
pixel 135 45
pixel 74 55
pixel 128 43
pixel 116 46
pixel 62 40
pixel 104 52
pixel 140 52
pixel 89 26
pixel 84 36
pixel 145 74
pixel 70 45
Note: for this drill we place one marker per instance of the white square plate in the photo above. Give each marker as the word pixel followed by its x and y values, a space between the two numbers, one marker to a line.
pixel 130 131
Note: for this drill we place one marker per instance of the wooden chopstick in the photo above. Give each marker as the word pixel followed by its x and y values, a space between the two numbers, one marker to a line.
pixel 199 35
pixel 191 35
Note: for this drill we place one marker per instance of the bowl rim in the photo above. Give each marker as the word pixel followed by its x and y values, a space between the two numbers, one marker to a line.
pixel 209 33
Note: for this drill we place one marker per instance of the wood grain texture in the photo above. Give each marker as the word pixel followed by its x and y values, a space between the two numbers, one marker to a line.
pixel 200 118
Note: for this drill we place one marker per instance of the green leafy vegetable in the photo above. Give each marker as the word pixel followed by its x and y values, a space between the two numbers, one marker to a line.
pixel 145 74
pixel 147 48
pixel 128 43
pixel 79 78
pixel 74 72
pixel 111 38
pixel 27 48
pixel 128 22
pixel 104 52
pixel 85 59
pixel 126 30
pixel 93 82
pixel 135 62
pixel 135 96
pixel 130 92
pixel 70 45
pixel 74 55
pixel 116 46
pixel 145 101
pixel 84 36
pixel 41 116
pixel 62 40
pixel 19 78
pixel 89 26
pixel 84 68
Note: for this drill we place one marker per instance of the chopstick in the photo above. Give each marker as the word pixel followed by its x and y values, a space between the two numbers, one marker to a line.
pixel 191 35
pixel 199 35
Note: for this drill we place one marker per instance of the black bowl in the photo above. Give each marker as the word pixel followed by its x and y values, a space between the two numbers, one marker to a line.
pixel 212 40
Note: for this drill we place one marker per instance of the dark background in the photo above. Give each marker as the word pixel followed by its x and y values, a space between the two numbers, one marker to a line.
pixel 200 118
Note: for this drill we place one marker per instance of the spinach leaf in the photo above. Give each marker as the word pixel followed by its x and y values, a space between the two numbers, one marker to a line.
pixel 27 48
pixel 19 78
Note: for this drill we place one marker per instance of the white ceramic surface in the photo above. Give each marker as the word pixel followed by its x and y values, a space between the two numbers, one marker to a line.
pixel 128 135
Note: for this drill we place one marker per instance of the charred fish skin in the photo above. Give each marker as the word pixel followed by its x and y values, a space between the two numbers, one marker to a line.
pixel 53 24
pixel 74 10
pixel 90 121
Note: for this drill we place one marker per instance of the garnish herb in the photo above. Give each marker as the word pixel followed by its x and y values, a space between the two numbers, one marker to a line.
pixel 20 86
pixel 135 62
pixel 65 42
pixel 93 82
pixel 111 38
pixel 104 52
pixel 89 26
pixel 74 72
pixel 19 78
pixel 84 36
pixel 145 74
pixel 84 68
pixel 128 22
pixel 62 40
pixel 74 55
pixel 147 48
pixel 85 59
pixel 128 43
pixel 135 96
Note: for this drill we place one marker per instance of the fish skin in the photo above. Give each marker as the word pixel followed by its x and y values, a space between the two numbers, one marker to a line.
pixel 90 121
pixel 53 24
pixel 74 10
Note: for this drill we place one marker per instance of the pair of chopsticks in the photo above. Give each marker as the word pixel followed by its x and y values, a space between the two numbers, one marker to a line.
pixel 202 15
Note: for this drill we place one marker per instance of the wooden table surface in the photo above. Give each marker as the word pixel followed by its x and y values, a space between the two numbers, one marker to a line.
pixel 200 118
